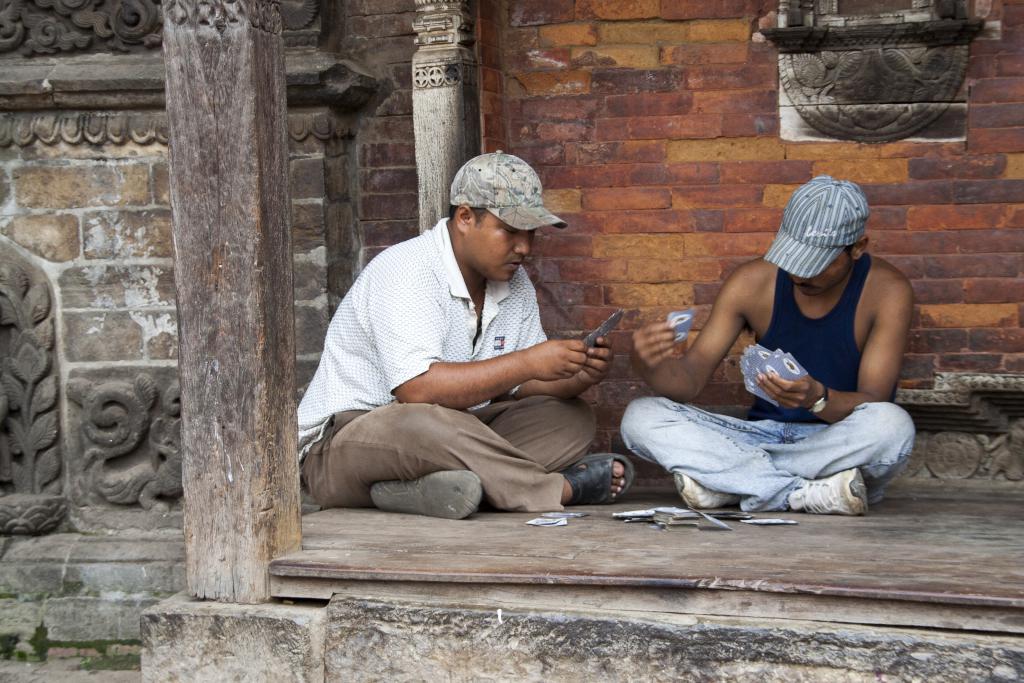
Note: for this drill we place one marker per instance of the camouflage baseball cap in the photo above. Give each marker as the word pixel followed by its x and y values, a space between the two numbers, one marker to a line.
pixel 506 186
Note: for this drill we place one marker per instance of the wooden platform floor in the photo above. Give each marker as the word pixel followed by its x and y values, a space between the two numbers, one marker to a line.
pixel 957 559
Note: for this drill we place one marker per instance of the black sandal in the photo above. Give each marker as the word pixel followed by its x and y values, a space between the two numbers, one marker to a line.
pixel 591 479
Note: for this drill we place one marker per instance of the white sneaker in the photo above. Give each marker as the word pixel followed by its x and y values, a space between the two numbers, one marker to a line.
pixel 699 497
pixel 840 494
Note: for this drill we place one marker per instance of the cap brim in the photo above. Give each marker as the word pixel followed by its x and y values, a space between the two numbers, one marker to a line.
pixel 799 258
pixel 528 217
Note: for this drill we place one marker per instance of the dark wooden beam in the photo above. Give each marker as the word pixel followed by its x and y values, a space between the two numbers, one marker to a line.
pixel 233 274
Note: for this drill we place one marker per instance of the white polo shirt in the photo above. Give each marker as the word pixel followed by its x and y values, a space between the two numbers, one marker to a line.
pixel 408 309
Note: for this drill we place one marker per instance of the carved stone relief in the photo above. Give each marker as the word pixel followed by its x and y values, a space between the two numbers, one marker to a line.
pixel 959 455
pixel 30 464
pixel 143 128
pixel 129 457
pixel 872 78
pixel 46 27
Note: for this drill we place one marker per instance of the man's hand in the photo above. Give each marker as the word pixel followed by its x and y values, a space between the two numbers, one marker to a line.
pixel 556 359
pixel 653 343
pixel 799 393
pixel 598 363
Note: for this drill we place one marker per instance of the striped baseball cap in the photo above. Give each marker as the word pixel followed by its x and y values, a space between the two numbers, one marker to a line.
pixel 507 187
pixel 821 218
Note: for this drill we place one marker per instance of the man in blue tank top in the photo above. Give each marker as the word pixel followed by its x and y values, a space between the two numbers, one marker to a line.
pixel 836 439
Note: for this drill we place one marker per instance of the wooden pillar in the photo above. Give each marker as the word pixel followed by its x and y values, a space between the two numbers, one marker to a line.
pixel 233 275
pixel 445 103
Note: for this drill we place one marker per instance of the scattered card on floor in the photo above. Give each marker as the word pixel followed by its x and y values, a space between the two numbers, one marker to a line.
pixel 541 521
pixel 767 521
pixel 563 515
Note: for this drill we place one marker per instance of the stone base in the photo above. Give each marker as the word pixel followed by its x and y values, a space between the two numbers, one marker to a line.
pixel 356 639
pixel 192 640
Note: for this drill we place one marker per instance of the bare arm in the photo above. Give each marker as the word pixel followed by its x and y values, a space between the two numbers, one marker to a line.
pixel 682 378
pixel 463 385
pixel 879 366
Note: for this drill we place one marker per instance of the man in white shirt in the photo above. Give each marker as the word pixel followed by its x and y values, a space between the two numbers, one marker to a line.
pixel 438 387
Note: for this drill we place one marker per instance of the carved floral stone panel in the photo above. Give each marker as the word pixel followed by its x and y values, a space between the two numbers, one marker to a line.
pixel 49 27
pixel 30 462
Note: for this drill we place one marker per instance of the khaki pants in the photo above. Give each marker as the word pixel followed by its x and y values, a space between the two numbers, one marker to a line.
pixel 515 447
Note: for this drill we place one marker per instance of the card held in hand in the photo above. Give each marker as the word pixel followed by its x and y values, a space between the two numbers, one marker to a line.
pixel 681 322
pixel 607 326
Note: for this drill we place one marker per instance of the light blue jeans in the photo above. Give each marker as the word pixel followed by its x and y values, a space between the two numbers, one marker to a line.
pixel 763 461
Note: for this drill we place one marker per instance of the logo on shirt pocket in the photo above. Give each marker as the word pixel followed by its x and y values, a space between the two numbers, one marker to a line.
pixel 499 343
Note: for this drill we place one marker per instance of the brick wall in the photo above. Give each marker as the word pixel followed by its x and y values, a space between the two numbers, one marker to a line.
pixel 654 124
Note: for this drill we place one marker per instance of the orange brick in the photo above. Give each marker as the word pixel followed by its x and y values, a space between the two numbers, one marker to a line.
pixel 555 82
pixel 752 220
pixel 713 53
pixel 567 201
pixel 720 30
pixel 638 246
pixel 1014 166
pixel 644 33
pixel 626 198
pixel 865 170
pixel 957 217
pixel 562 35
pixel 675 270
pixel 716 196
pixel 637 57
pixel 814 151
pixel 718 244
pixel 726 149
pixel 617 9
pixel 665 294
pixel 969 315
pixel 777 195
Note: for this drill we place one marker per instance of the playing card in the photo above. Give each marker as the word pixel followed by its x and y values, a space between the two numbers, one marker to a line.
pixel 755 361
pixel 563 515
pixel 769 521
pixel 607 326
pixel 681 322
pixel 541 521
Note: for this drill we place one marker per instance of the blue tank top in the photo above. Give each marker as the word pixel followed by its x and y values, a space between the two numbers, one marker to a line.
pixel 825 346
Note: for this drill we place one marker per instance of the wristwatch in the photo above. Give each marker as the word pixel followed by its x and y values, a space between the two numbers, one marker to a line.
pixel 820 404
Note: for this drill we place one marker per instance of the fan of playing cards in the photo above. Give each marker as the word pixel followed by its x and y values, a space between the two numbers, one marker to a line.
pixel 757 360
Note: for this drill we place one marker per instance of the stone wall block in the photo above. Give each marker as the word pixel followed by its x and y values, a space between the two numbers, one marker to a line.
pixel 5 188
pixel 161 180
pixel 127 234
pixel 110 287
pixel 53 237
pixel 310 329
pixel 307 178
pixel 88 619
pixel 101 336
pixel 310 281
pixel 307 226
pixel 72 187
pixel 370 640
pixel 191 640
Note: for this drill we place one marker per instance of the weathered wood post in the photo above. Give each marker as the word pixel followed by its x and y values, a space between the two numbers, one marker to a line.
pixel 446 110
pixel 233 273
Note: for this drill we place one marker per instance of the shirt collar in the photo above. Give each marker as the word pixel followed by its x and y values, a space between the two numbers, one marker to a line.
pixel 496 289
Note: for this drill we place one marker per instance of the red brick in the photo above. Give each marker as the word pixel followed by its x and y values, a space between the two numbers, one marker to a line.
pixel 970 362
pixel 1001 340
pixel 887 218
pixel 918 192
pixel 937 341
pixel 716 196
pixel 616 9
pixel 736 102
pixel 918 366
pixel 712 244
pixel 996 116
pixel 591 270
pixel 562 245
pixel 388 206
pixel 997 90
pixel 652 151
pixel 538 59
pixel 541 155
pixel 705 53
pixel 988 191
pixel 911 266
pixel 386 233
pixel 970 315
pixel 555 82
pixel 564 108
pixel 659 128
pixel 752 220
pixel 1011 65
pixel 728 77
pixel 701 9
pixel 626 198
pixel 963 167
pixel 994 290
pixel 616 81
pixel 760 172
pixel 922 243
pixel 389 180
pixel 648 104
pixel 639 222
pixel 388 154
pixel 749 125
pixel 957 217
pixel 938 291
pixel 974 265
pixel 692 173
pixel 708 220
pixel 706 293
pixel 674 270
pixel 991 140
pixel 533 12
pixel 565 294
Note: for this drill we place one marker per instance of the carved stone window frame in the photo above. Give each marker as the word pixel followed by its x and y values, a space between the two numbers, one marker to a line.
pixel 873 78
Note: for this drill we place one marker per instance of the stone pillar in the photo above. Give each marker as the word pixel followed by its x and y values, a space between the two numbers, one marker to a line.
pixel 233 277
pixel 445 102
